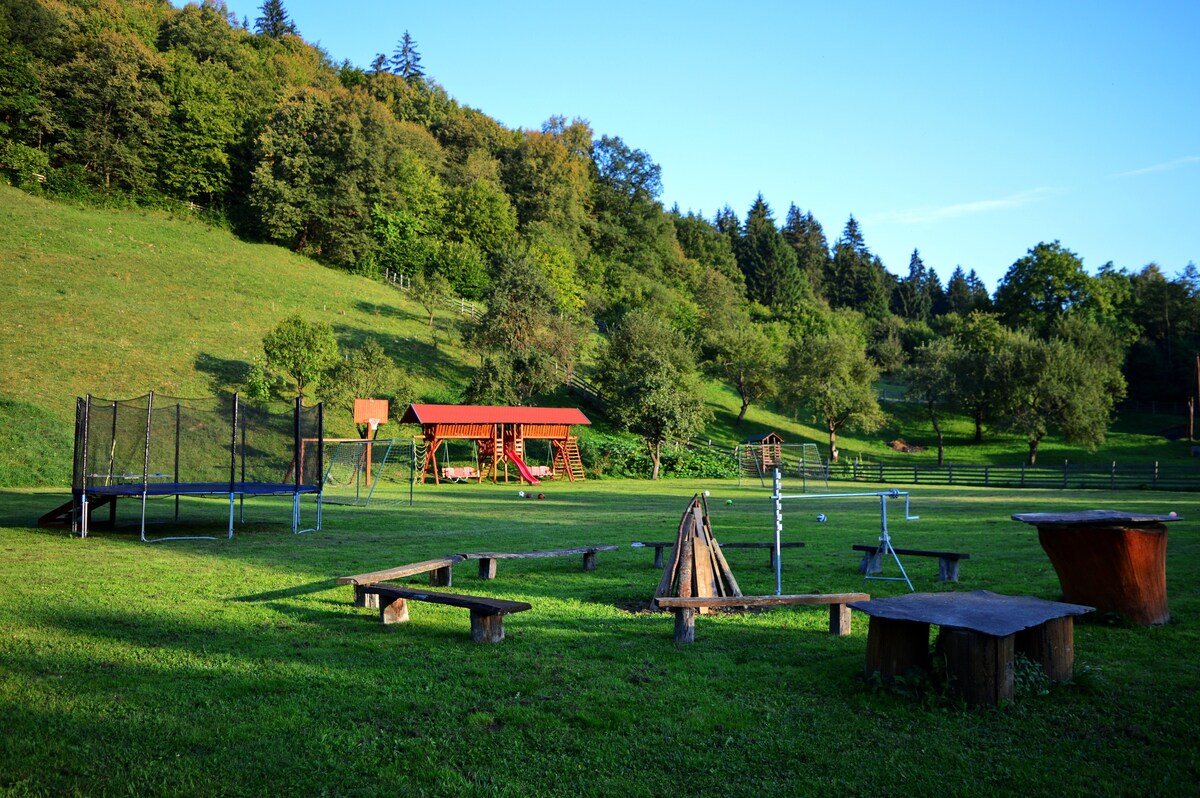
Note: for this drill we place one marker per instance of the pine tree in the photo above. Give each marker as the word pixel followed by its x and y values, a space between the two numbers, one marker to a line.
pixel 805 235
pixel 912 299
pixel 772 276
pixel 958 292
pixel 274 22
pixel 406 61
pixel 856 278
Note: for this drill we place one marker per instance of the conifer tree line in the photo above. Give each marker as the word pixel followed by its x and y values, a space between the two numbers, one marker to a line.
pixel 561 228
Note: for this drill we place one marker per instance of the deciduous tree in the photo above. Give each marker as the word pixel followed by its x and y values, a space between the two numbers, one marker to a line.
pixel 932 380
pixel 648 376
pixel 831 375
pixel 1057 385
pixel 304 351
pixel 1041 287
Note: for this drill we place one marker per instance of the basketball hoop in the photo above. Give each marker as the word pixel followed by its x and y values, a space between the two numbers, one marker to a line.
pixel 374 424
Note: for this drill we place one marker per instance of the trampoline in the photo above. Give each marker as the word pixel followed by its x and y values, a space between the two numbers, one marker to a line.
pixel 156 446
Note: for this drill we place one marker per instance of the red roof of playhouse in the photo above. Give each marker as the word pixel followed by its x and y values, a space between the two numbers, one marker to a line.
pixel 490 414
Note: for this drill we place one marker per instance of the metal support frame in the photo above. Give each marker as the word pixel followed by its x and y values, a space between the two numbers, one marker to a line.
pixel 885 540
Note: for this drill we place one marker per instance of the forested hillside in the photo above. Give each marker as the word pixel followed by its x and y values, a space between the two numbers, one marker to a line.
pixel 556 232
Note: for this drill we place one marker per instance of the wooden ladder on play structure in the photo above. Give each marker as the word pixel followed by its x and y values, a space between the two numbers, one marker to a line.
pixel 567 456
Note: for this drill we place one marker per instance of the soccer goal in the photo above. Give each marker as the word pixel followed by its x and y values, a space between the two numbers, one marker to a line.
pixel 794 460
pixel 362 473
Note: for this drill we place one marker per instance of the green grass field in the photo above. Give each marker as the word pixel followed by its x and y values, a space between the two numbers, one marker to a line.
pixel 240 668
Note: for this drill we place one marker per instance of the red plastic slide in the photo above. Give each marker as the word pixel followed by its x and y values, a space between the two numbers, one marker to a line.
pixel 523 469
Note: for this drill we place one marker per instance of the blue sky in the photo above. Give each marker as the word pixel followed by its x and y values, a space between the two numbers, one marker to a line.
pixel 968 131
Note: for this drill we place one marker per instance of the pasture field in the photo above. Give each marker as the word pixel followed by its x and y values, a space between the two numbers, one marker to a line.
pixel 239 668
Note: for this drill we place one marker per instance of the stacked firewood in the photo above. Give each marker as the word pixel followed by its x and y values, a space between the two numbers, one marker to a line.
pixel 697 568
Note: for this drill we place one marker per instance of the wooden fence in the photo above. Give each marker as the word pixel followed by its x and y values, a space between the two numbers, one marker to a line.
pixel 465 307
pixel 1114 476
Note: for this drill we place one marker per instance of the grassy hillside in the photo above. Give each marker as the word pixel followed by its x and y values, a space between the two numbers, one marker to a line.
pixel 117 302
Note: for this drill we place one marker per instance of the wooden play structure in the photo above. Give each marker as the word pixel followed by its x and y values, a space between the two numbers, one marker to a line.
pixel 766 451
pixel 499 434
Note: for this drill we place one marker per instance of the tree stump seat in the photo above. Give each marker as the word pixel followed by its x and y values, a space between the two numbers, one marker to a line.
pixel 685 608
pixel 872 560
pixel 487 614
pixel 979 634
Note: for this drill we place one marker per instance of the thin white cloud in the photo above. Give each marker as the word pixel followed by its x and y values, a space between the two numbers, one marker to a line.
pixel 1178 163
pixel 926 215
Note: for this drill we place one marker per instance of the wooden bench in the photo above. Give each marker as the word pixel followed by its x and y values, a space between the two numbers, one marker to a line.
pixel 487 614
pixel 947 560
pixel 659 546
pixel 439 570
pixel 487 559
pixel 685 609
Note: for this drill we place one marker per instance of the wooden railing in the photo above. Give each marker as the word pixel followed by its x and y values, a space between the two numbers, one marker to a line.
pixel 465 307
pixel 1114 476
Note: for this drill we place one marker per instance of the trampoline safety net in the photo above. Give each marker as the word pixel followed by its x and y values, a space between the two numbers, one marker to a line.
pixel 156 445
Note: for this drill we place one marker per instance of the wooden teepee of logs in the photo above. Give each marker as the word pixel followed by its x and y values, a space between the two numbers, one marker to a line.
pixel 697 568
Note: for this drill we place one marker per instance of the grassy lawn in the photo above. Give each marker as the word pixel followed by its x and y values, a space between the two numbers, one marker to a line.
pixel 240 668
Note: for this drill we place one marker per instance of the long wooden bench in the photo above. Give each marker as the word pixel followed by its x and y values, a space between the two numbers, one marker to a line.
pixel 872 563
pixel 487 559
pixel 439 570
pixel 487 614
pixel 685 609
pixel 660 545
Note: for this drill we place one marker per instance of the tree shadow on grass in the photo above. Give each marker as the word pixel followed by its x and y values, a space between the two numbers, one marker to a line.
pixel 289 592
pixel 224 375
pixel 419 357
pixel 387 311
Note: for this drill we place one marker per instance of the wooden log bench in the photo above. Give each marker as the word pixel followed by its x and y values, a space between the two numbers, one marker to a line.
pixel 439 570
pixel 979 635
pixel 685 608
pixel 487 559
pixel 872 562
pixel 660 545
pixel 487 614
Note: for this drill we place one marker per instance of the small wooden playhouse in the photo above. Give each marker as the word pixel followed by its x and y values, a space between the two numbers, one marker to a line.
pixel 766 451
pixel 499 434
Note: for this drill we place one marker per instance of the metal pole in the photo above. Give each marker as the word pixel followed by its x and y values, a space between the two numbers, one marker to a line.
pixel 233 441
pixel 146 460
pixel 87 428
pixel 320 459
pixel 778 484
pixel 177 423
